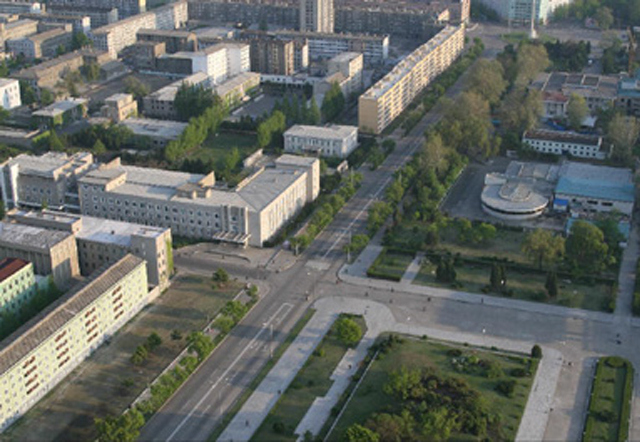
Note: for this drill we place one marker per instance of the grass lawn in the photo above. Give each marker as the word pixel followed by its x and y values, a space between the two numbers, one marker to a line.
pixel 311 382
pixel 107 382
pixel 218 145
pixel 507 244
pixel 390 265
pixel 607 412
pixel 417 354
pixel 526 286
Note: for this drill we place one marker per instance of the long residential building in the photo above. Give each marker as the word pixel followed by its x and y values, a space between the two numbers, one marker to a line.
pixel 565 143
pixel 193 207
pixel 51 252
pixel 98 15
pixel 101 241
pixel 42 45
pixel 37 356
pixel 390 96
pixel 126 8
pixel 114 37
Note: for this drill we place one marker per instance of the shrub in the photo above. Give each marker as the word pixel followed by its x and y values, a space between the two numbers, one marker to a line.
pixel 506 387
pixel 224 324
pixel 519 373
pixel 278 427
pixel 536 352
pixel 349 332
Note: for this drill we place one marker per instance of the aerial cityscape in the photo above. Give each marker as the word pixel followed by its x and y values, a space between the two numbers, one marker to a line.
pixel 319 220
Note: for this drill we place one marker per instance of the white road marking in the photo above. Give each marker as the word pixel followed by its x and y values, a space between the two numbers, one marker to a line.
pixel 288 308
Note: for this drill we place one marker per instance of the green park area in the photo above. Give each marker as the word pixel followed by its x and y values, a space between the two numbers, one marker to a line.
pixel 390 264
pixel 109 381
pixel 417 390
pixel 221 144
pixel 312 381
pixel 610 403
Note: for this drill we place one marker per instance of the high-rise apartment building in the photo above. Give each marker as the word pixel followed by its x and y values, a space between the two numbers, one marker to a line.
pixel 316 15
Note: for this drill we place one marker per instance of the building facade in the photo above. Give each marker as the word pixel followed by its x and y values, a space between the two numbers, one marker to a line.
pixel 17 284
pixel 126 8
pixel 174 40
pixel 98 15
pixel 10 93
pixel 316 16
pixel 330 141
pixel 119 107
pixel 160 104
pixel 35 358
pixel 42 45
pixel 272 56
pixel 390 96
pixel 51 252
pixel 565 143
pixel 61 113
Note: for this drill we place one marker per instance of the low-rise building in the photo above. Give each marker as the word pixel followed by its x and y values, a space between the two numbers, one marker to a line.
pixel 42 45
pixel 98 15
pixel 61 113
pixel 159 132
pixel 390 96
pixel 192 206
pixel 49 179
pixel 584 189
pixel 174 40
pixel 18 29
pixel 143 54
pixel 160 104
pixel 126 8
pixel 78 22
pixel 330 141
pixel 565 143
pixel 101 241
pixel 51 252
pixel 17 284
pixel 10 93
pixel 345 70
pixel 234 90
pixel 37 356
pixel 119 107
pixel 12 7
pixel 49 73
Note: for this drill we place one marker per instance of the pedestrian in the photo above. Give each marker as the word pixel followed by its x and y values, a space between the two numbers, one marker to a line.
pixel 247 422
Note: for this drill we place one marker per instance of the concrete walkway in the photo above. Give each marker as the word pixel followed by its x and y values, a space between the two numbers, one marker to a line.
pixel 413 269
pixel 379 318
pixel 627 276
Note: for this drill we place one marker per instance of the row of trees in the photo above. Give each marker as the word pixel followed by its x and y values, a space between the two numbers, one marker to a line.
pixel 333 103
pixel 270 131
pixel 296 110
pixel 605 12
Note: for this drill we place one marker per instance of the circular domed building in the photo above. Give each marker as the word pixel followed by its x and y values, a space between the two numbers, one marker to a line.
pixel 511 199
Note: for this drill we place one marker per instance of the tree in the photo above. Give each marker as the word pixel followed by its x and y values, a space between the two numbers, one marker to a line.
pixel 2 211
pixel 193 100
pixel 531 59
pixel 333 103
pixel 27 93
pixel 4 69
pixel 224 324
pixel 551 285
pixel 139 355
pixel 604 17
pixel 80 40
pixel 498 278
pixel 543 247
pixel 46 96
pixel 586 249
pixel 445 271
pixel 125 428
pixel 136 87
pixel 220 276
pixel 521 109
pixel 200 344
pixel 154 341
pixel 99 148
pixel 92 71
pixel 55 143
pixel 536 352
pixel 60 50
pixel 349 332
pixel 577 111
pixel 487 79
pixel 623 133
pixel 358 433
pixel 466 126
pixel 313 114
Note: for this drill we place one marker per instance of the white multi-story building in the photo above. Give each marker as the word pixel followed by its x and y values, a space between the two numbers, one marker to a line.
pixel 160 104
pixel 37 356
pixel 10 93
pixel 317 15
pixel 330 141
pixel 193 207
pixel 565 143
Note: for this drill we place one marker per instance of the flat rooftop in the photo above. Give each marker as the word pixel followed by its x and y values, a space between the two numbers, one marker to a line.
pixel 563 137
pixel 598 182
pixel 49 163
pixel 4 82
pixel 45 324
pixel 225 87
pixel 59 107
pixel 334 132
pixel 31 237
pixel 168 93
pixel 165 129
pixel 346 56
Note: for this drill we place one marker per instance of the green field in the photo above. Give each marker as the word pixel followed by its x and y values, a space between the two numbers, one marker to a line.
pixel 390 265
pixel 218 145
pixel 311 382
pixel 528 286
pixel 610 402
pixel 444 361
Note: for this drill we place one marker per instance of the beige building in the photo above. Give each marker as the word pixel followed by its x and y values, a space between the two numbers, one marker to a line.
pixel 37 356
pixel 101 241
pixel 42 45
pixel 345 70
pixel 126 8
pixel 119 107
pixel 390 96
pixel 18 29
pixel 50 179
pixel 17 284
pixel 272 56
pixel 193 207
pixel 51 252
pixel 316 15
pixel 114 37
pixel 174 40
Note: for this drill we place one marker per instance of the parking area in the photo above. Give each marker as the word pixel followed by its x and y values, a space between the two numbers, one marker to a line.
pixel 257 107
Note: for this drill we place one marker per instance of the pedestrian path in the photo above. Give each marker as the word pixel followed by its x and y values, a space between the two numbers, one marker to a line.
pixel 413 269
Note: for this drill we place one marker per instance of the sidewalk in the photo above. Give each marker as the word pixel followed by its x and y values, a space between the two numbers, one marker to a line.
pixel 413 269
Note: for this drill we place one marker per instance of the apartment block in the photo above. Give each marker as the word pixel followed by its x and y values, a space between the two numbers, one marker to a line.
pixel 17 284
pixel 391 95
pixel 174 40
pixel 272 56
pixel 10 93
pixel 51 179
pixel 42 45
pixel 565 143
pixel 37 356
pixel 159 104
pixel 275 12
pixel 98 15
pixel 18 29
pixel 101 241
pixel 520 12
pixel 61 113
pixel 11 7
pixel 78 22
pixel 114 37
pixel 238 58
pixel 143 55
pixel 330 141
pixel 316 16
pixel 158 132
pixel 126 8
pixel 51 252
pixel 345 70
pixel 119 107
pixel 192 206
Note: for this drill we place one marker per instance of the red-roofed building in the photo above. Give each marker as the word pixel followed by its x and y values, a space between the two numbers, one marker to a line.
pixel 17 283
